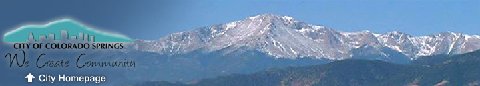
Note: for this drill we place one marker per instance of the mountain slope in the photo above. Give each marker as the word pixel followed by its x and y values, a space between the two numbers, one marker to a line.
pixel 284 37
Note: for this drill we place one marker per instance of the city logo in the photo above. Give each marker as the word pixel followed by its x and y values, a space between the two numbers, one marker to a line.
pixel 65 36
pixel 63 30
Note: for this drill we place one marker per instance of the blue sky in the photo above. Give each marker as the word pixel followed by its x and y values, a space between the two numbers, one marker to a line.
pixel 154 19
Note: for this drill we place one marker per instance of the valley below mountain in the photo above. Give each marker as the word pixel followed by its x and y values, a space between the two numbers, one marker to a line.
pixel 441 70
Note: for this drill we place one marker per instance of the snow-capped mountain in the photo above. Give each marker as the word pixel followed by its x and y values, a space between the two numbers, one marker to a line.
pixel 284 37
